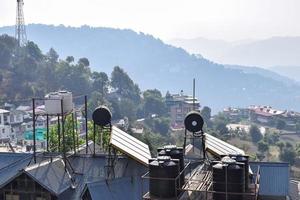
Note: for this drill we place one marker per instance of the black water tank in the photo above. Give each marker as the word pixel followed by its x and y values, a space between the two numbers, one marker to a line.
pixel 193 122
pixel 163 167
pixel 245 161
pixel 175 153
pixel 102 116
pixel 234 173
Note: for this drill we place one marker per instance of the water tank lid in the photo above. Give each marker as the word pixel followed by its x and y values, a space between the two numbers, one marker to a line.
pixel 228 160
pixel 63 91
pixel 163 158
pixel 218 166
pixel 170 146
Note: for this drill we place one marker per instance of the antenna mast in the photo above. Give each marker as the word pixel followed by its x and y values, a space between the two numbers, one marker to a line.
pixel 20 31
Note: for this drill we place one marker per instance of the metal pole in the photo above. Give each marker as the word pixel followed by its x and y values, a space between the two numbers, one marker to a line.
pixel 102 129
pixel 184 142
pixel 94 138
pixel 58 131
pixel 63 132
pixel 203 146
pixel 86 124
pixel 76 130
pixel 193 94
pixel 33 124
pixel 226 181
pixel 73 132
pixel 47 117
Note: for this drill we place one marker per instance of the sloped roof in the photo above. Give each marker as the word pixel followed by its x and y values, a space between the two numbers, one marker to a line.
pixel 127 188
pixel 65 184
pixel 50 175
pixel 3 111
pixel 219 147
pixel 11 165
pixel 93 169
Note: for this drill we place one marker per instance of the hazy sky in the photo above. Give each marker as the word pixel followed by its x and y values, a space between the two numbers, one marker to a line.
pixel 168 19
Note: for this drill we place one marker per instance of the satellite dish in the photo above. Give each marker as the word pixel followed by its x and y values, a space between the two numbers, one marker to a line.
pixel 101 116
pixel 193 122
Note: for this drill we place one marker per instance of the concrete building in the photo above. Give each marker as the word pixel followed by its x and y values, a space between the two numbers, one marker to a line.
pixel 6 133
pixel 269 116
pixel 178 106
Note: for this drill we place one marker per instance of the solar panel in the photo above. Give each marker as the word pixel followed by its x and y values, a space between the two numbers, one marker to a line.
pixel 130 146
pixel 219 147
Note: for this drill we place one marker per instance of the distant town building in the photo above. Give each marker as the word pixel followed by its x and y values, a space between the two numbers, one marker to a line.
pixel 178 106
pixel 236 114
pixel 269 116
pixel 6 133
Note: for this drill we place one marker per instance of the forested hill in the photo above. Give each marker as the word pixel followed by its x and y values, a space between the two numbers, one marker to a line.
pixel 153 64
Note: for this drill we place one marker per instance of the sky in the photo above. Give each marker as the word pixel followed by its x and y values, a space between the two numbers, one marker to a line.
pixel 229 20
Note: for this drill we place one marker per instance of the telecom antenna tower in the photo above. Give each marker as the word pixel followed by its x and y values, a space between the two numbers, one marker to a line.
pixel 20 33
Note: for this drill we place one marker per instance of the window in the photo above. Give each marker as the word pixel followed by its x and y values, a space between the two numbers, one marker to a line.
pixel 19 118
pixel 5 118
pixel 178 110
pixel 12 197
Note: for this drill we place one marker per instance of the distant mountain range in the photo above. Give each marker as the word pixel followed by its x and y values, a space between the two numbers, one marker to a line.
pixel 266 73
pixel 275 51
pixel 292 72
pixel 154 64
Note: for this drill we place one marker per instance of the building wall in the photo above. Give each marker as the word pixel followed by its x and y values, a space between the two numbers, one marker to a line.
pixel 272 198
pixel 5 132
pixel 4 119
pixel 274 178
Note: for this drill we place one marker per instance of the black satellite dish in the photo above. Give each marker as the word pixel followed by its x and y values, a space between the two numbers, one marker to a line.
pixel 193 122
pixel 101 116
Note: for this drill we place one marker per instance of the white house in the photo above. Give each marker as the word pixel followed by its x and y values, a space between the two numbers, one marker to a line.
pixel 5 127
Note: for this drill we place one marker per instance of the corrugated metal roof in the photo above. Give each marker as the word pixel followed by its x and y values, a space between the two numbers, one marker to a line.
pixel 11 164
pixel 50 175
pixel 274 178
pixel 130 146
pixel 2 111
pixel 7 158
pixel 128 188
pixel 219 147
pixel 93 169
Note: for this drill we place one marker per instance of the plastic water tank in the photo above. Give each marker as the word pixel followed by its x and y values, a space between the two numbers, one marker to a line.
pixel 175 153
pixel 228 174
pixel 67 100
pixel 160 169
pixel 53 102
pixel 245 161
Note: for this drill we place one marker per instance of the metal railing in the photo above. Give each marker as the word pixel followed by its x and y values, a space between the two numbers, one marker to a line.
pixel 200 183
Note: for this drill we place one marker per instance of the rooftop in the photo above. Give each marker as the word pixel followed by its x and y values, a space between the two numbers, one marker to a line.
pixel 2 111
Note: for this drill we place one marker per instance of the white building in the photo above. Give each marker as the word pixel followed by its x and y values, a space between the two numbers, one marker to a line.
pixel 6 132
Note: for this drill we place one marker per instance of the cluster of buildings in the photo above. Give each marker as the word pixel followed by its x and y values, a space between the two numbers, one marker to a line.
pixel 16 125
pixel 265 115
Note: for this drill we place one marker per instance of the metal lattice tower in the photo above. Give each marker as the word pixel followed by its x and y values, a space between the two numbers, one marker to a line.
pixel 20 32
